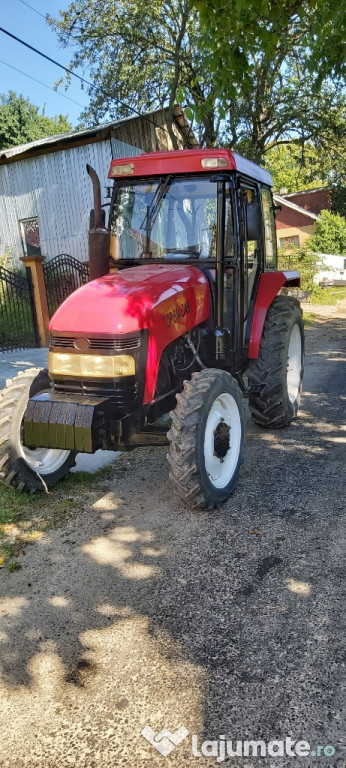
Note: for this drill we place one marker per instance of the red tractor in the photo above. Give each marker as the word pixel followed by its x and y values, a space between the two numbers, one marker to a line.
pixel 182 315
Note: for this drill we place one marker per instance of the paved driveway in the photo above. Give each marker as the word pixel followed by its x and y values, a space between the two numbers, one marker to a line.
pixel 13 362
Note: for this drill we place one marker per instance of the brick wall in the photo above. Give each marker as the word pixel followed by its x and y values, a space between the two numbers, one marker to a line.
pixel 312 200
pixel 287 217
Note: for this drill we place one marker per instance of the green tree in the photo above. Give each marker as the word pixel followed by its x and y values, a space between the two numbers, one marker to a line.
pixel 339 198
pixel 296 168
pixel 241 71
pixel 277 68
pixel 240 33
pixel 302 260
pixel 282 110
pixel 21 122
pixel 139 56
pixel 329 235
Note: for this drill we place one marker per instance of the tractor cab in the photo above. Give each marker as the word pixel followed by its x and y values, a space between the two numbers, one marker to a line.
pixel 212 209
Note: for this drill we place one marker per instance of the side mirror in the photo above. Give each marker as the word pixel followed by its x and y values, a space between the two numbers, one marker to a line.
pixel 92 218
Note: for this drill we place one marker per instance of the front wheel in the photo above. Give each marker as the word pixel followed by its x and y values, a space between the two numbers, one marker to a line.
pixel 206 439
pixel 279 366
pixel 24 468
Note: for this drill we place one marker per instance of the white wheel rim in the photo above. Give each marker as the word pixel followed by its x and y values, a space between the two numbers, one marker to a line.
pixel 294 364
pixel 44 461
pixel 221 452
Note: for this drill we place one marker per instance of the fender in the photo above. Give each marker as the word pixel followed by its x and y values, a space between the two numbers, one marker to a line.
pixel 269 286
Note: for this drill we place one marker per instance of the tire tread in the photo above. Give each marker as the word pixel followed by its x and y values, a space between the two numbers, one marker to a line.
pixel 268 409
pixel 182 437
pixel 14 471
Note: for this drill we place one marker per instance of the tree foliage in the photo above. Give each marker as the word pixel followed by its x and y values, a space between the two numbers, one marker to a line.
pixel 329 235
pixel 277 67
pixel 302 260
pixel 296 168
pixel 251 75
pixel 141 56
pixel 281 109
pixel 21 122
pixel 339 198
pixel 242 32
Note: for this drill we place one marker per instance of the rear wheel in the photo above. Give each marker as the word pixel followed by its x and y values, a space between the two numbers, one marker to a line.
pixel 279 365
pixel 20 467
pixel 206 439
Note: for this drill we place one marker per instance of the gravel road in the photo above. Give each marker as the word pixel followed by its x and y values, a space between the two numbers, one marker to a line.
pixel 138 613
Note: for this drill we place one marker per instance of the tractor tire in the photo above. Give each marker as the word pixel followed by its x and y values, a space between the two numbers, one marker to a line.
pixel 279 366
pixel 20 467
pixel 206 439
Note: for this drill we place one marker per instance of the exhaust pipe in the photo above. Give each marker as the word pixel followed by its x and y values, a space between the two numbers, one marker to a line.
pixel 99 239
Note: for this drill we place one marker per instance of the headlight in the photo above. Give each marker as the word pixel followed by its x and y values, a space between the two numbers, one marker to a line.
pixel 121 170
pixel 91 366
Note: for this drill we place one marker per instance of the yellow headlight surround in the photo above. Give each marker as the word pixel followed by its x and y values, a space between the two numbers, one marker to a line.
pixel 91 366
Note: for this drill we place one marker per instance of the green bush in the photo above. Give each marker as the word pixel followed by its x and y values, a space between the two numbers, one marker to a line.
pixel 329 235
pixel 302 260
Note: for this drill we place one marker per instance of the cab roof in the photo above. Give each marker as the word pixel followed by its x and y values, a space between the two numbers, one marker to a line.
pixel 188 161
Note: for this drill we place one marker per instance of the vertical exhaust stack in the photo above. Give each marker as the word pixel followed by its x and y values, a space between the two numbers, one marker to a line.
pixel 99 239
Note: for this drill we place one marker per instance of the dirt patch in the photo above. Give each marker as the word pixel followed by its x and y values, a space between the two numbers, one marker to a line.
pixel 326 311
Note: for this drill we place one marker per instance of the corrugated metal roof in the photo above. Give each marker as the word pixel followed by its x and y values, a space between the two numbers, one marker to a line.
pixel 98 132
pixel 58 139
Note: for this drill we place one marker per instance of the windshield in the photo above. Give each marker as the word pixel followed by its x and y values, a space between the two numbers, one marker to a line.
pixel 165 218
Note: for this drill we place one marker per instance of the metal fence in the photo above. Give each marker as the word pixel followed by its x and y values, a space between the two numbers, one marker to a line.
pixel 63 275
pixel 18 329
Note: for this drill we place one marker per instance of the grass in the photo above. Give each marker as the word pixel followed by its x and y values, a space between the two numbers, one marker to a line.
pixel 308 319
pixel 328 296
pixel 25 517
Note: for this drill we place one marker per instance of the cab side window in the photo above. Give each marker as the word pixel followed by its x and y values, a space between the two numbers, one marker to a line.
pixel 269 230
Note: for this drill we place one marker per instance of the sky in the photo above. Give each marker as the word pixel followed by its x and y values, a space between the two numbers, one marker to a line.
pixel 16 17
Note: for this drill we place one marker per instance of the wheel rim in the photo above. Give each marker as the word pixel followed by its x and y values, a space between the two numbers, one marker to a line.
pixel 294 364
pixel 44 461
pixel 222 440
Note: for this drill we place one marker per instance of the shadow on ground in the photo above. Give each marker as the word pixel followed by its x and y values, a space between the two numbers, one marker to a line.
pixel 227 622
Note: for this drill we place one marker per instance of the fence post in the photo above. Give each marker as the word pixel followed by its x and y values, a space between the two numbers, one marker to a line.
pixel 35 264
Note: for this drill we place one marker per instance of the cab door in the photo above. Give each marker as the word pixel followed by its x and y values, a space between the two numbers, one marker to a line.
pixel 251 252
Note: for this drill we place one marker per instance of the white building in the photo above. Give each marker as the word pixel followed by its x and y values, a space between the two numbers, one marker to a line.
pixel 46 194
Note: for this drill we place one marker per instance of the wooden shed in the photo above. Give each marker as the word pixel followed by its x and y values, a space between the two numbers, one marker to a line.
pixel 46 194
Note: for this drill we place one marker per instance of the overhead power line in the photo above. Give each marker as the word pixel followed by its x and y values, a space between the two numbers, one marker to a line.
pixel 82 79
pixel 33 9
pixel 40 82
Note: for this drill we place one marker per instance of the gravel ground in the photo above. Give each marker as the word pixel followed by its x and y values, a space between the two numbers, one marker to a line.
pixel 138 613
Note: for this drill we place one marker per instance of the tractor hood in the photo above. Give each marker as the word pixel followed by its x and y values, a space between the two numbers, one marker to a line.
pixel 172 299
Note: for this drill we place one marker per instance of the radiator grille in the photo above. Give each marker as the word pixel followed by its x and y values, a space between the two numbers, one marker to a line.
pixel 118 345
pixel 124 394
